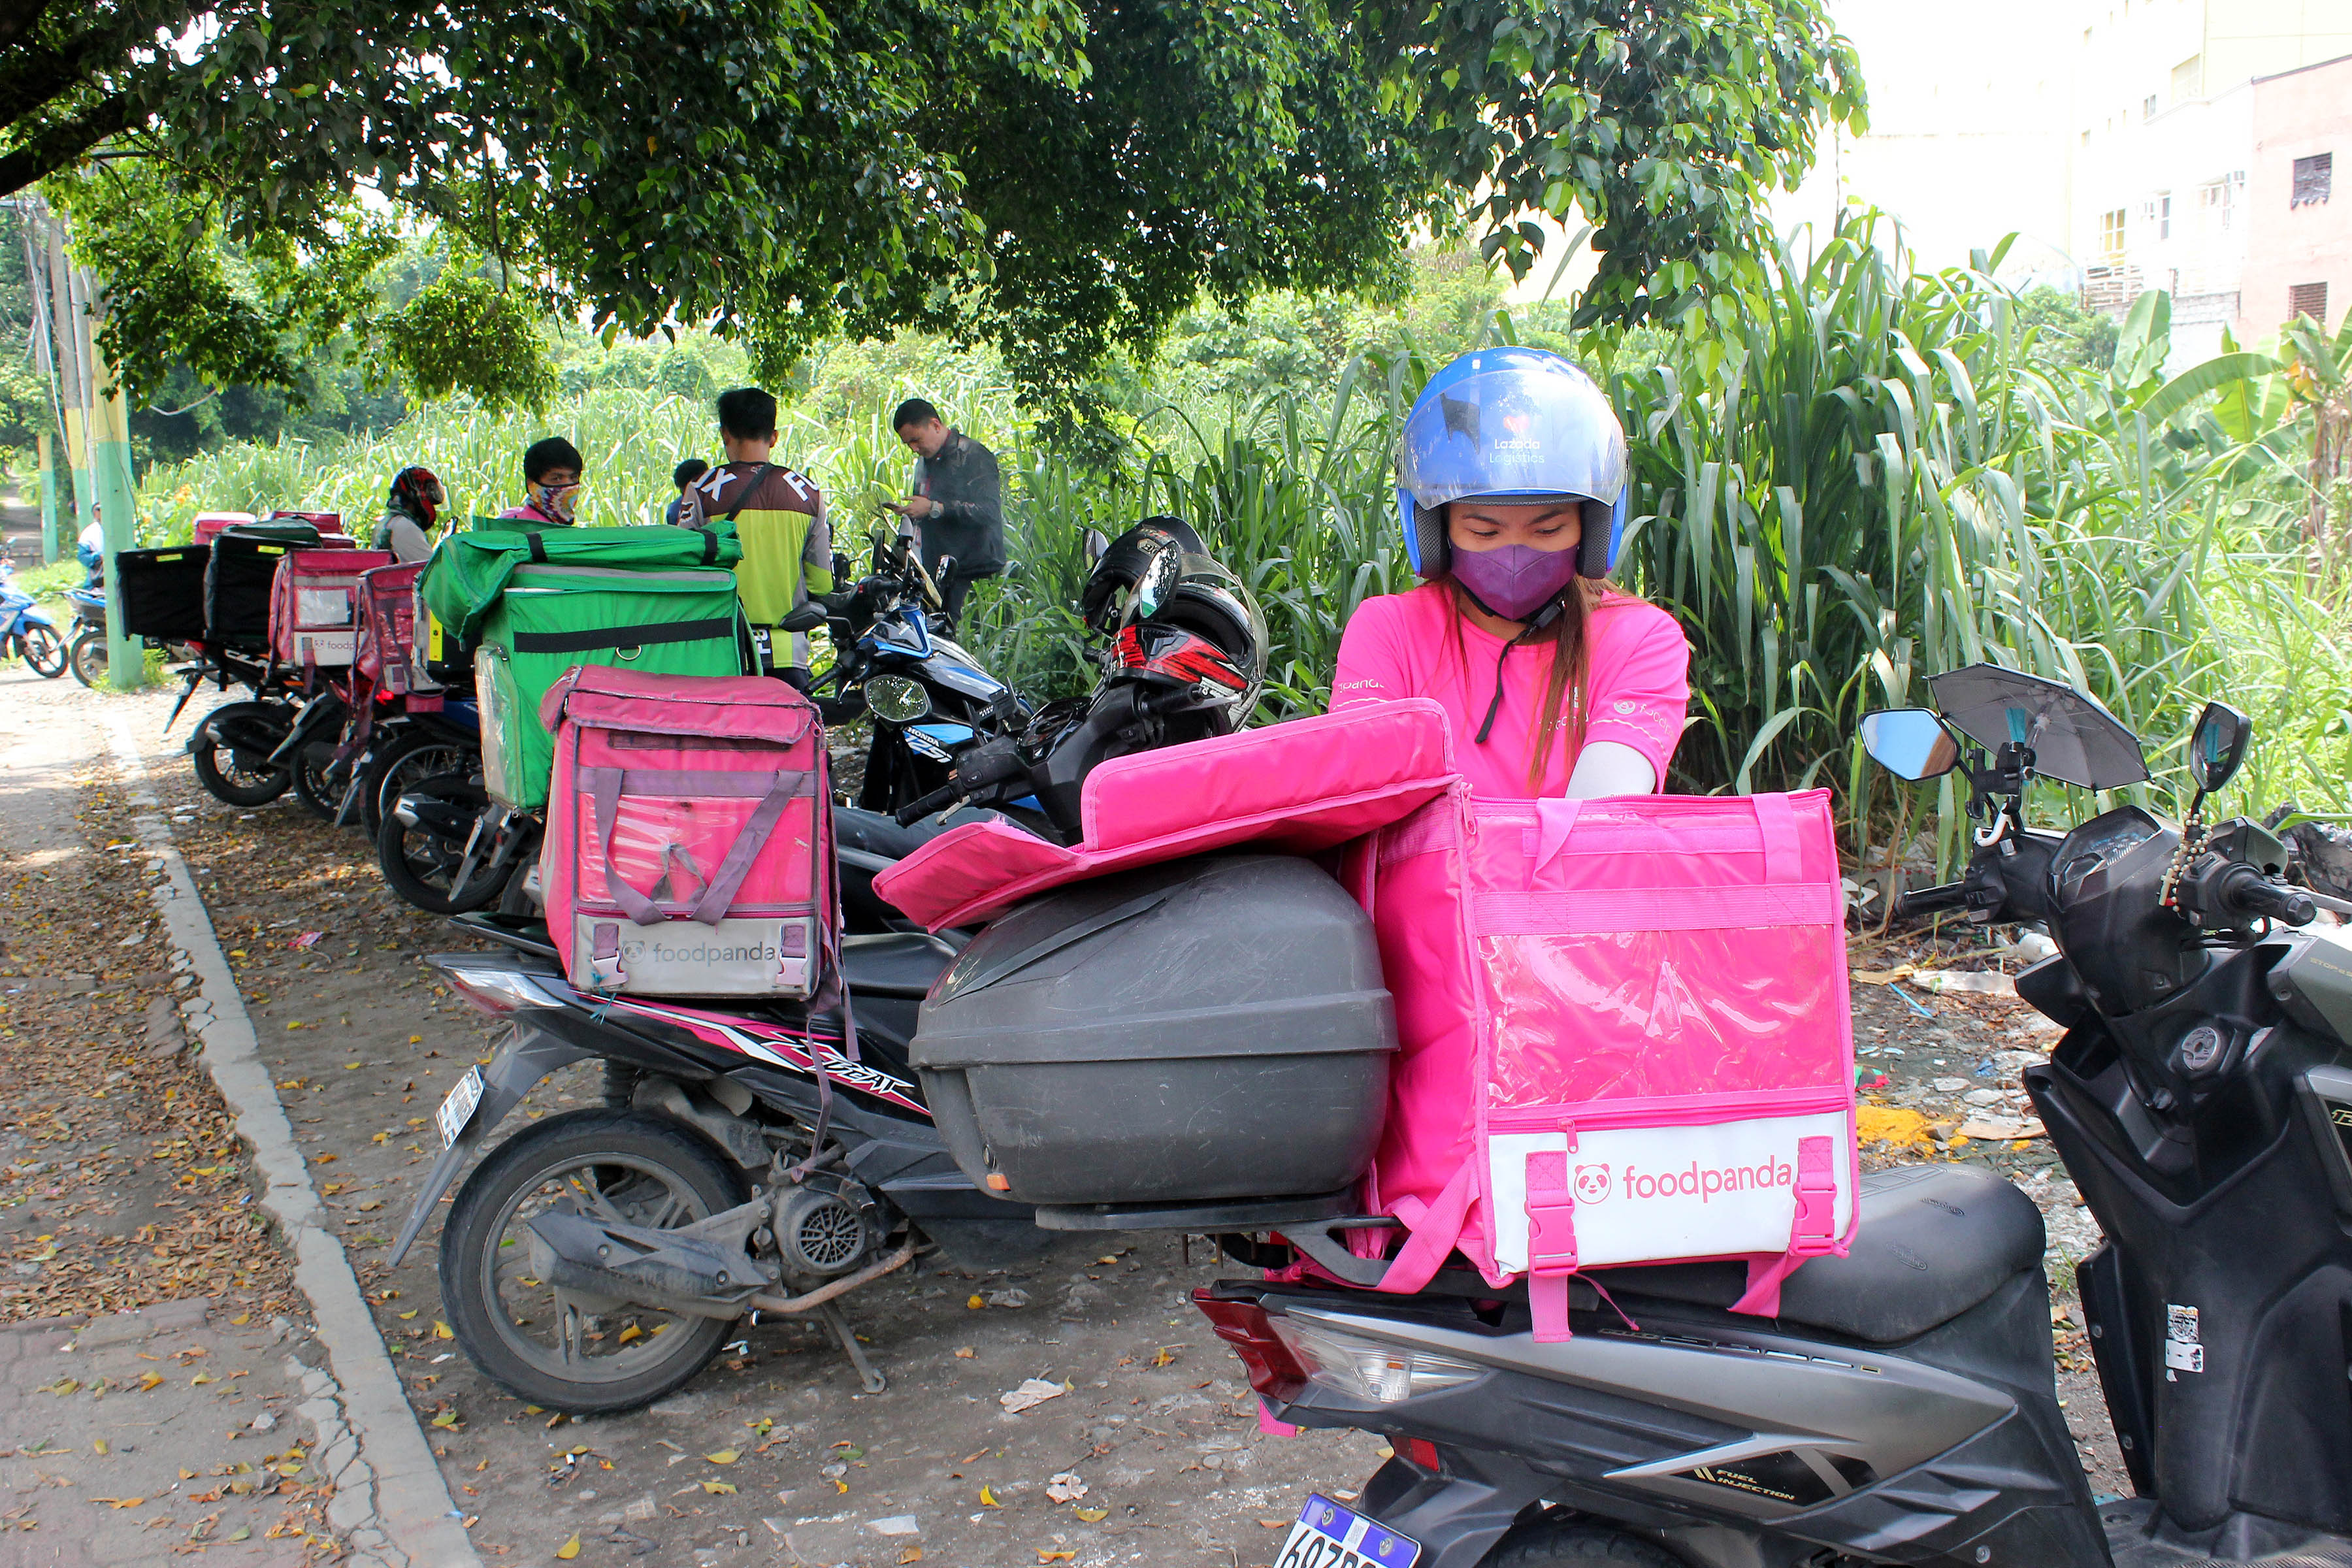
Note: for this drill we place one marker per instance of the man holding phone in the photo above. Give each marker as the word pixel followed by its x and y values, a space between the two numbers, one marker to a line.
pixel 958 505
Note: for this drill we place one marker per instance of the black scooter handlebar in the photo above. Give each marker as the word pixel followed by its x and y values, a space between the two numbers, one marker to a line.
pixel 939 799
pixel 2246 891
pixel 1932 900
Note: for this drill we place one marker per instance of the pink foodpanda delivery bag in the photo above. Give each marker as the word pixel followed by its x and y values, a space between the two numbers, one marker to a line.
pixel 687 832
pixel 1626 1038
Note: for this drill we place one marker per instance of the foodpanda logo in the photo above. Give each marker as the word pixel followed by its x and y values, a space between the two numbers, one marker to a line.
pixel 1593 1183
pixel 1697 1181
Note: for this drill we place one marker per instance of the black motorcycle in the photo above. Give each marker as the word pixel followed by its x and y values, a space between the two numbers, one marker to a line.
pixel 748 1158
pixel 1903 1408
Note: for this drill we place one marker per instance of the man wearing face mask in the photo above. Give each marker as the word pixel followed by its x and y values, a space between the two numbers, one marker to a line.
pixel 1511 491
pixel 552 472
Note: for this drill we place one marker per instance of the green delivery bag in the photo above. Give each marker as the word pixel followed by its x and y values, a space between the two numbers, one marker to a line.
pixel 546 619
pixel 469 570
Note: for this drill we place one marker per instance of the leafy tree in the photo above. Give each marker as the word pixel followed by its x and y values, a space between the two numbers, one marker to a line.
pixel 1062 177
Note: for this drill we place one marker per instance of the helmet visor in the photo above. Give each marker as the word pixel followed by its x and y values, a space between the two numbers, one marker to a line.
pixel 1516 430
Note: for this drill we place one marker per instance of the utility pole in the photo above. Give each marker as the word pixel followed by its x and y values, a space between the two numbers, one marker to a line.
pixel 48 499
pixel 116 494
pixel 69 335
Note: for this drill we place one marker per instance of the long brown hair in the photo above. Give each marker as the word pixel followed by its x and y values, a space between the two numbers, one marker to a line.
pixel 1571 666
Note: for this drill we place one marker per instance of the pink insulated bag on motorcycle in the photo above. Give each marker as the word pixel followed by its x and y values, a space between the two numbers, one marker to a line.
pixel 314 617
pixel 1626 1038
pixel 685 853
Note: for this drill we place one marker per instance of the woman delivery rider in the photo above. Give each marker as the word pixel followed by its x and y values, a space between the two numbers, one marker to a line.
pixel 1511 491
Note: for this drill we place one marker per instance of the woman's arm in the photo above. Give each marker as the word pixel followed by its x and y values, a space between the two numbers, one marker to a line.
pixel 1609 767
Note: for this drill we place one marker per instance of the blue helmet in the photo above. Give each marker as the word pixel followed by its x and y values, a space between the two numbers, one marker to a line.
pixel 1511 424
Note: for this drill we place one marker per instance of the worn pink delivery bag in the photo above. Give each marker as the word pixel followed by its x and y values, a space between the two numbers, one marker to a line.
pixel 687 849
pixel 1626 1038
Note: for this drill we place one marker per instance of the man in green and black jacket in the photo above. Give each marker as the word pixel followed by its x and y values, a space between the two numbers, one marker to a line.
pixel 779 518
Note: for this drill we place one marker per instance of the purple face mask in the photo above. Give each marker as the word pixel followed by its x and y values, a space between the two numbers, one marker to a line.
pixel 1517 580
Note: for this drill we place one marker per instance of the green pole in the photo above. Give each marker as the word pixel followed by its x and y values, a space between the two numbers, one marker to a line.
pixel 117 502
pixel 49 500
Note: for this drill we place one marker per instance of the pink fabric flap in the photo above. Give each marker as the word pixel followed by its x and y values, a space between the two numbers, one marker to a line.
pixel 1325 779
pixel 748 707
pixel 1298 787
pixel 968 867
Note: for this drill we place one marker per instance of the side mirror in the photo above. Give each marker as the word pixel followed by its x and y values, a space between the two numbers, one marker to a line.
pixel 2218 745
pixel 1910 743
pixel 1097 544
pixel 809 617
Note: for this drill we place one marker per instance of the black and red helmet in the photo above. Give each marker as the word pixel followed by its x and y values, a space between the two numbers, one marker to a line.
pixel 1191 624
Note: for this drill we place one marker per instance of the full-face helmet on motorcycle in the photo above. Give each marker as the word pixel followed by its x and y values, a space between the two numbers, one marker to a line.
pixel 1517 426
pixel 1193 625
pixel 1124 561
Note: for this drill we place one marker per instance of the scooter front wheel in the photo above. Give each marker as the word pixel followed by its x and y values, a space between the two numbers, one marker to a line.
pixel 43 651
pixel 546 1346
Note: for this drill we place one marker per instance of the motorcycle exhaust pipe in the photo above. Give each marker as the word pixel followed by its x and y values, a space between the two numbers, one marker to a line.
pixel 453 820
pixel 677 1272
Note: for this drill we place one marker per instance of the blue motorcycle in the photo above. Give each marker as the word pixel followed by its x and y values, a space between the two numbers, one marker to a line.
pixel 928 698
pixel 25 632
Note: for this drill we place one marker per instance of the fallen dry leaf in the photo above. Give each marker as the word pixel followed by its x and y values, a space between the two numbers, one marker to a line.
pixel 568 1550
pixel 724 1456
pixel 719 1488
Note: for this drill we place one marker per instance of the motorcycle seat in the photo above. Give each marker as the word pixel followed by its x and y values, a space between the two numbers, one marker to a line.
pixel 1934 1241
pixel 894 963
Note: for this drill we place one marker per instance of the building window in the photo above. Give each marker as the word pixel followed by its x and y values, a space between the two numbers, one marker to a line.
pixel 2187 79
pixel 2111 232
pixel 2156 213
pixel 2308 300
pixel 2312 177
pixel 2218 201
pixel 2148 107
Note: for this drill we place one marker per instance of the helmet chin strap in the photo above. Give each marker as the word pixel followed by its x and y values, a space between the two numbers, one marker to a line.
pixel 1543 618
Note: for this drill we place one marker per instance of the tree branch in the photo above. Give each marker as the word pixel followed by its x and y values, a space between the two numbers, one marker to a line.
pixel 58 145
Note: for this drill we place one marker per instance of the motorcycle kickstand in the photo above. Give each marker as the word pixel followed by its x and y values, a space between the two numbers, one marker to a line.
pixel 866 1375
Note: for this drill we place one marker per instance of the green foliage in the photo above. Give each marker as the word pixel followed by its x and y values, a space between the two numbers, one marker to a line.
pixel 1062 178
pixel 463 332
pixel 241 315
pixel 2067 335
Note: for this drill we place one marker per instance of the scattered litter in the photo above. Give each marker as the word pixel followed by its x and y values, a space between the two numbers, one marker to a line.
pixel 1999 1129
pixel 1065 1486
pixel 310 939
pixel 1883 976
pixel 1949 1085
pixel 1008 1298
pixel 1952 982
pixel 898 1524
pixel 1030 1394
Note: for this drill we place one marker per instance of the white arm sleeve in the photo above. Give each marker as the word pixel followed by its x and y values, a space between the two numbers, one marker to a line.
pixel 1610 767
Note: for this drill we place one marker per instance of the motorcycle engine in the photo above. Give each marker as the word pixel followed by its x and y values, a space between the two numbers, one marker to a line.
pixel 823 1228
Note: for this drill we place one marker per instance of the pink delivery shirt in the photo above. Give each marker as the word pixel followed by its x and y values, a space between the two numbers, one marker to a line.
pixel 1403 645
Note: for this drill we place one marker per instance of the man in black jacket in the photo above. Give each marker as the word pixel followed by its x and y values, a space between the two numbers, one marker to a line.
pixel 957 504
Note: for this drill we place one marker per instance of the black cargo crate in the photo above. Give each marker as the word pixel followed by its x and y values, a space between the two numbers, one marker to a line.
pixel 164 592
pixel 237 581
pixel 1206 1030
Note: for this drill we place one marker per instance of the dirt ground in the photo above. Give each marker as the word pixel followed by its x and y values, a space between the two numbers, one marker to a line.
pixel 775 1454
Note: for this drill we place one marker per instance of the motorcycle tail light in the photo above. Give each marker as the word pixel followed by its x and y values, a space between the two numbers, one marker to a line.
pixel 496 991
pixel 1365 1368
pixel 1248 1328
pixel 1419 1452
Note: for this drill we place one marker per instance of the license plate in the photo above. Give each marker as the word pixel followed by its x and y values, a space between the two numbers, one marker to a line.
pixel 458 1108
pixel 1329 1536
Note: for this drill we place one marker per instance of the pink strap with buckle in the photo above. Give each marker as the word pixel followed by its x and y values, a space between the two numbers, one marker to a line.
pixel 1812 1234
pixel 1551 1242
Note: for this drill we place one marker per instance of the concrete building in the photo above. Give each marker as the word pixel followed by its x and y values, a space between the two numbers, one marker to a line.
pixel 2132 144
pixel 2299 200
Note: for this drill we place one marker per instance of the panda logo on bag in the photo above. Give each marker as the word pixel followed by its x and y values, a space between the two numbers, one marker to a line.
pixel 1593 1183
